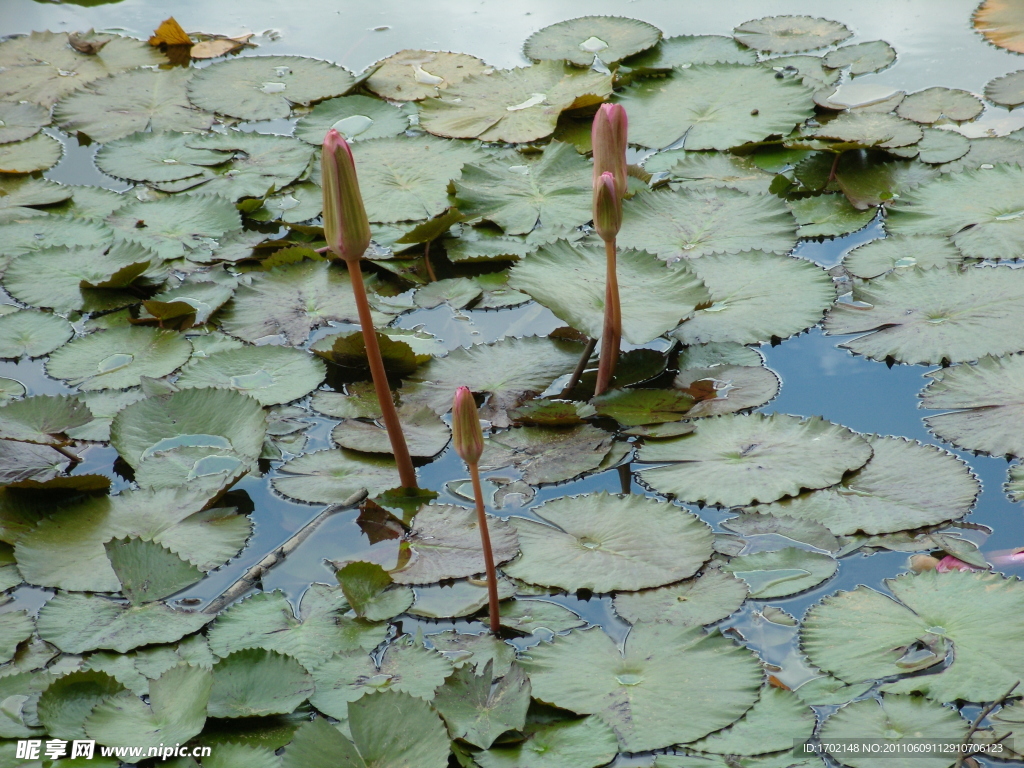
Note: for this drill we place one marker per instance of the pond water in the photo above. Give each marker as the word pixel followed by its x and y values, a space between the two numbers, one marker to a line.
pixel 936 46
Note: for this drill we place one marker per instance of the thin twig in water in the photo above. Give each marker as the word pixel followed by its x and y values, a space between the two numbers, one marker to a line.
pixel 985 712
pixel 581 366
pixel 426 260
pixel 74 458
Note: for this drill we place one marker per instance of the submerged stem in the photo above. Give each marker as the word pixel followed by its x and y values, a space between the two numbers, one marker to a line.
pixel 485 538
pixel 426 260
pixel 406 473
pixel 612 332
pixel 581 366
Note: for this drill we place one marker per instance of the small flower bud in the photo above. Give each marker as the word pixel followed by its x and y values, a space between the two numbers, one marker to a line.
pixel 346 227
pixel 608 138
pixel 467 436
pixel 607 208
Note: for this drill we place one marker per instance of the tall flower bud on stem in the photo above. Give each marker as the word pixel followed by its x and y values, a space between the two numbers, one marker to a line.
pixel 609 141
pixel 347 231
pixel 468 440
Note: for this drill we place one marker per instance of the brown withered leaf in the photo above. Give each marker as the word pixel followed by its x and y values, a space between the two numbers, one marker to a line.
pixel 170 33
pixel 87 42
pixel 218 46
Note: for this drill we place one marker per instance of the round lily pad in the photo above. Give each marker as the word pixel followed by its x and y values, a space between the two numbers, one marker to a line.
pixel 774 723
pixel 942 146
pixel 32 333
pixel 1001 23
pixel 757 296
pixel 634 690
pixel 714 106
pixel 862 58
pixel 177 225
pixel 119 357
pixel 265 87
pixel 869 129
pixel 705 599
pixel 425 434
pixel 927 316
pixel 21 120
pixel 931 104
pixel 20 194
pixel 39 153
pixel 579 41
pixel 905 485
pixel 727 388
pixel 782 572
pixel 606 543
pixel 355 117
pixel 158 156
pixel 790 34
pixel 570 279
pixel 269 374
pixel 987 396
pixel 828 215
pixel 696 222
pixel 1007 91
pixel 42 418
pixel 545 455
pixel 578 743
pixel 256 683
pixel 975 618
pixel 732 460
pixel 330 477
pixel 122 104
pixel 691 49
pixel 901 252
pixel 412 75
pixel 512 105
pixel 259 163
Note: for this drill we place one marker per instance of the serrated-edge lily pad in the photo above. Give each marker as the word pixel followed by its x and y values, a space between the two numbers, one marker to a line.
pixel 65 705
pixel 730 460
pixel 579 41
pixel 21 120
pixel 691 49
pixel 265 87
pixel 357 118
pixel 704 599
pixel 156 156
pixel 1007 91
pixel 927 316
pixel 118 358
pixel 790 34
pixel 775 722
pixel 425 434
pixel 634 691
pixel 478 712
pixel 149 571
pixel 20 193
pixel 828 215
pixel 413 75
pixel 931 104
pixel 726 388
pixel 39 153
pixel 330 477
pixel 545 455
pixel 862 58
pixel 42 418
pixel 606 543
pixel 32 333
pixel 901 252
pixel 257 683
pixel 175 226
pixel 782 572
pixel 269 374
pixel 584 743
pixel 714 106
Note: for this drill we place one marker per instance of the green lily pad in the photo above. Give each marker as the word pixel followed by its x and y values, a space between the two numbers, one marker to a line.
pixel 322 628
pixel 526 615
pixel 691 49
pixel 698 222
pixel 1007 91
pixel 159 156
pixel 269 374
pixel 42 67
pixel 20 193
pixel 93 278
pixel 778 760
pixel 257 683
pixel 810 69
pixel 368 587
pixel 704 599
pixel 579 41
pixel 731 460
pixel 477 711
pixel 790 34
pixel 406 667
pixel 175 713
pixel 15 627
pixel 330 477
pixel 82 622
pixel 597 542
pixel 39 153
pixel 510 371
pixel 260 164
pixel 986 151
pixel 65 705
pixel 21 120
pixel 635 407
pixel 904 486
pixel 412 75
pixel 10 389
pixel 901 252
pixel 149 571
pixel 862 58
pixel 927 316
pixel 291 301
pixel 701 170
pixel 517 193
pixel 512 105
pixel 895 720
pixel 403 178
pixel 974 615
pixel 869 129
pixel 422 740
pixel 347 351
pixel 726 388
pixel 425 434
pixel 757 296
pixel 122 104
pixel 987 395
pixel 829 691
pixel 714 106
pixel 487 243
pixel 29 465
pixel 266 87
pixel 584 743
pixel 190 304
pixel 445 544
pixel 570 281
pixel 474 650
pixel 32 333
pixel 118 358
pixel 41 232
pixel 942 146
pixel 631 690
pixel 457 598
pixel 782 572
pixel 718 353
pixel 545 455
pixel 232 755
pixel 776 721
pixel 931 104
pixel 798 529
pixel 175 226
pixel 42 418
pixel 357 118
pixel 829 215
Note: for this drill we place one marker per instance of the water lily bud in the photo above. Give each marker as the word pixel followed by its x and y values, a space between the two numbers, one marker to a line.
pixel 346 227
pixel 608 137
pixel 950 563
pixel 607 208
pixel 467 437
pixel 922 563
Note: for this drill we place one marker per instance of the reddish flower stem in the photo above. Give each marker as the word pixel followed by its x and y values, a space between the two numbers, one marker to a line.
pixel 611 335
pixel 485 537
pixel 406 472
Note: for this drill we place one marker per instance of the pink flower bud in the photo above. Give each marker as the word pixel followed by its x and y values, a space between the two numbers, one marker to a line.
pixel 950 563
pixel 346 227
pixel 607 207
pixel 467 437
pixel 608 138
